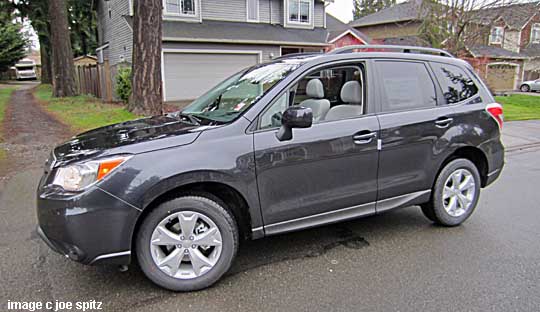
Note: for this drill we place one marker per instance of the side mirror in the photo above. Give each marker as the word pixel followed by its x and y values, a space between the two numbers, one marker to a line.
pixel 294 117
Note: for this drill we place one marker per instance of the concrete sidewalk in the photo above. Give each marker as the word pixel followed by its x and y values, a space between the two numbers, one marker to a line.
pixel 520 134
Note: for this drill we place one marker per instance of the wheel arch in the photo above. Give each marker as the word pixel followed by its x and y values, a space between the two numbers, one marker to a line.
pixel 220 190
pixel 473 154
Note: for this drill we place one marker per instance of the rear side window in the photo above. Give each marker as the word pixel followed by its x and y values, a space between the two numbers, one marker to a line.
pixel 456 85
pixel 407 85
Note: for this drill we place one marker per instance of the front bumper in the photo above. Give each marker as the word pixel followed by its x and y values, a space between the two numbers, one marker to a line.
pixel 92 227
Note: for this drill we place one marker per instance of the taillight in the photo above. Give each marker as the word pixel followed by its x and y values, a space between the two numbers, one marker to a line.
pixel 496 111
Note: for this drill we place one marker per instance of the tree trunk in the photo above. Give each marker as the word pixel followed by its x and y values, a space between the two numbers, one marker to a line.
pixel 63 69
pixel 44 47
pixel 147 97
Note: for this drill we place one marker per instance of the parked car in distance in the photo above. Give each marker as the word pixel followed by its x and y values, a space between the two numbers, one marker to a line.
pixel 25 69
pixel 531 85
pixel 268 152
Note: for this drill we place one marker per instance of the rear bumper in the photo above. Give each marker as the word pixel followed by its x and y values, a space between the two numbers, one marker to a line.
pixel 90 228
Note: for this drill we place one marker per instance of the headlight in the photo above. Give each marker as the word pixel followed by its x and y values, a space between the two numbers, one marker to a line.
pixel 77 177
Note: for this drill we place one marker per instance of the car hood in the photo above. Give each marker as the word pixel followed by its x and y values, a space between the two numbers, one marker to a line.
pixel 132 137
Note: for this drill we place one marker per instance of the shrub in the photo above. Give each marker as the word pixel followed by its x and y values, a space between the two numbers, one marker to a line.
pixel 123 83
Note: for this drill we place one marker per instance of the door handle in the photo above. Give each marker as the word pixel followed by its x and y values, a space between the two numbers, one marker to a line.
pixel 443 122
pixel 364 138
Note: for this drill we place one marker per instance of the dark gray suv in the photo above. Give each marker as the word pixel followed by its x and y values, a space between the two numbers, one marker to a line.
pixel 282 146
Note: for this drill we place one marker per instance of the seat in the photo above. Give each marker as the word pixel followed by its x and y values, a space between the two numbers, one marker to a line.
pixel 318 104
pixel 351 95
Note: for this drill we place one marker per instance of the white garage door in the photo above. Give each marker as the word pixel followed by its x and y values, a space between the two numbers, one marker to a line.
pixel 189 75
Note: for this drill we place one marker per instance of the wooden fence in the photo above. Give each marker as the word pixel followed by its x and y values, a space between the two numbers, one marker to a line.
pixel 94 79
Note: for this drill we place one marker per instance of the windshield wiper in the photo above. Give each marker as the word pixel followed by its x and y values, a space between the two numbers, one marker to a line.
pixel 192 119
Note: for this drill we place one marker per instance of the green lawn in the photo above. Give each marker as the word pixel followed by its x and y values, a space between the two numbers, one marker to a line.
pixel 520 106
pixel 5 94
pixel 82 112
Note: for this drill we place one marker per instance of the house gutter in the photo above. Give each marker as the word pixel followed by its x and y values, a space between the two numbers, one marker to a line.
pixel 261 42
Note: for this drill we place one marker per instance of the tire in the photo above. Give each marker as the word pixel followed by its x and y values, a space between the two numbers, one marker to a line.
pixel 525 88
pixel 207 213
pixel 454 209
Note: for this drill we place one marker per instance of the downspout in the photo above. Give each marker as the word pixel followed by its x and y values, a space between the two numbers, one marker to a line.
pixel 271 1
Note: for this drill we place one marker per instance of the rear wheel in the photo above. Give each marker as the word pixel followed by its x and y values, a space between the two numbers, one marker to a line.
pixel 187 243
pixel 455 194
pixel 525 88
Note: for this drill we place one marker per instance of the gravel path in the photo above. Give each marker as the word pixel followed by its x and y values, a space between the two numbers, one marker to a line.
pixel 29 133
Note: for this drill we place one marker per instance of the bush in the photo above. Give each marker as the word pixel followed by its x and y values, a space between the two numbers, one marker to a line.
pixel 123 84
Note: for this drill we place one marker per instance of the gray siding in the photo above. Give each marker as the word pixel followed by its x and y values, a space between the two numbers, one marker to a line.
pixel 267 50
pixel 122 33
pixel 104 26
pixel 115 30
pixel 270 11
pixel 230 10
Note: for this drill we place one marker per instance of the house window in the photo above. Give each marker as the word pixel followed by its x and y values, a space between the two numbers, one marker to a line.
pixel 253 10
pixel 300 11
pixel 180 7
pixel 496 35
pixel 535 33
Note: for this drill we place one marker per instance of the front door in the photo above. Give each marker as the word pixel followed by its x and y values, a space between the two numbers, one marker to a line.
pixel 325 173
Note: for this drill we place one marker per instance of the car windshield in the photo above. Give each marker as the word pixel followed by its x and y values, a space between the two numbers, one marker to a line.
pixel 230 98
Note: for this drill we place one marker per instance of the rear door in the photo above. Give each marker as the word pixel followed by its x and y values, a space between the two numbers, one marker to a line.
pixel 413 129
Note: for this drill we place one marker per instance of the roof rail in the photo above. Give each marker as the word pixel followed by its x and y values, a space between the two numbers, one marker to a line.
pixel 404 49
pixel 306 54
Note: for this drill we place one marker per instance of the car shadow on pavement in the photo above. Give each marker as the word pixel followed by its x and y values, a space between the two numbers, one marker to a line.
pixel 308 243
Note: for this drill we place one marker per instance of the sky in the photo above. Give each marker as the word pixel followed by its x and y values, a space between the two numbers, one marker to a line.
pixel 342 9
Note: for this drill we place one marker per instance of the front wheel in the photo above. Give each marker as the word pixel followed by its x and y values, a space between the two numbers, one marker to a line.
pixel 455 193
pixel 187 243
pixel 525 88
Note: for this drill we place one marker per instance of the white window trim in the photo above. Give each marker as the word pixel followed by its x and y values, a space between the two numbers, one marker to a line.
pixel 258 11
pixel 535 25
pixel 501 37
pixel 180 14
pixel 288 15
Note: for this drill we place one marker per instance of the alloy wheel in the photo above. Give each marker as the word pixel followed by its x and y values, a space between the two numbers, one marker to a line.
pixel 459 192
pixel 186 245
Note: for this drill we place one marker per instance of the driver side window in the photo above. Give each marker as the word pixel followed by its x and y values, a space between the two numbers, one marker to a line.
pixel 332 93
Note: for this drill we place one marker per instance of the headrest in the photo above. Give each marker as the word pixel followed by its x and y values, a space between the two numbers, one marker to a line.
pixel 351 92
pixel 315 89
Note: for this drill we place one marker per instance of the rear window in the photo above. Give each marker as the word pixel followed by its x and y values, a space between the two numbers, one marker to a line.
pixel 407 85
pixel 456 85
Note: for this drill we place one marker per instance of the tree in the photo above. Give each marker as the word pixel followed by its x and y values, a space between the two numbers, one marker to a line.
pixel 83 25
pixel 82 22
pixel 13 41
pixel 458 24
pixel 37 12
pixel 62 54
pixel 147 91
pixel 362 8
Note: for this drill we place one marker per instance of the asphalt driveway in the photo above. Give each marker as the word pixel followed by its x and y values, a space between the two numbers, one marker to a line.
pixel 397 261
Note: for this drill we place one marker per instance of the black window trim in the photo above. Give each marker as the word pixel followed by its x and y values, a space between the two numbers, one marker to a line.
pixel 462 102
pixel 254 126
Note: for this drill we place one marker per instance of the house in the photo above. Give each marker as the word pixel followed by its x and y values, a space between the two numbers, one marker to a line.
pixel 205 41
pixel 396 25
pixel 507 53
pixel 341 34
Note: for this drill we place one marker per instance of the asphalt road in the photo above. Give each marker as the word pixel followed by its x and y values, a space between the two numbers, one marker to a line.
pixel 397 261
